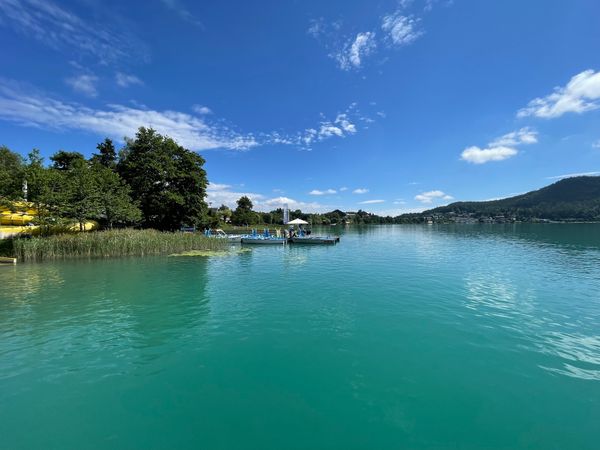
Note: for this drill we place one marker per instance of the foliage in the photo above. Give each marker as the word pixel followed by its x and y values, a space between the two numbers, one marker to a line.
pixel 243 214
pixel 64 160
pixel 113 243
pixel 168 180
pixel 11 174
pixel 115 205
pixel 107 154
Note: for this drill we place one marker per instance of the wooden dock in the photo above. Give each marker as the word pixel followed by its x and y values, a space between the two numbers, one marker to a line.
pixel 4 260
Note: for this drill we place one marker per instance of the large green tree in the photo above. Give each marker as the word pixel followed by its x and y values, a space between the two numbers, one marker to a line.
pixel 168 180
pixel 80 192
pixel 11 174
pixel 46 188
pixel 114 198
pixel 243 214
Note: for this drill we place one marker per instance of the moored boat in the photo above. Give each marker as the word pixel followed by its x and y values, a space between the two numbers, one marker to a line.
pixel 261 240
pixel 315 240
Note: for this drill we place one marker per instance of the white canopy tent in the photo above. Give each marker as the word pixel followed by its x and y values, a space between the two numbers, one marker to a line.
pixel 297 222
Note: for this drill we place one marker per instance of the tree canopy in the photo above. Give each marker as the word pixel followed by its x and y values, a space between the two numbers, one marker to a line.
pixel 168 180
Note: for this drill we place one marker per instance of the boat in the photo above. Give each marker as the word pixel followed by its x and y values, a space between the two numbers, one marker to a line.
pixel 315 240
pixel 233 238
pixel 261 240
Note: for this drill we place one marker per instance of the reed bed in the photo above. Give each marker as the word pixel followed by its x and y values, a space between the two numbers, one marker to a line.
pixel 113 243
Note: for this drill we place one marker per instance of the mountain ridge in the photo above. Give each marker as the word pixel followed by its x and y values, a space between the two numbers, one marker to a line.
pixel 570 198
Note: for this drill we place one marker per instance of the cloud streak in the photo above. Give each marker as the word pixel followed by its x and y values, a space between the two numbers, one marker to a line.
pixel 501 148
pixel 581 94
pixel 571 175
pixel 350 51
pixel 61 29
pixel 325 192
pixel 116 121
pixel 26 106
pixel 353 53
pixel 125 80
pixel 177 7
pixel 401 30
pixel 84 84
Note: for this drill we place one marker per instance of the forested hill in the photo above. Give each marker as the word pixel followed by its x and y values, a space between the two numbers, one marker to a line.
pixel 571 198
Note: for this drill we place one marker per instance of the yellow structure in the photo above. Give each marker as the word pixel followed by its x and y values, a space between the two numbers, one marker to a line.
pixel 21 217
pixel 22 213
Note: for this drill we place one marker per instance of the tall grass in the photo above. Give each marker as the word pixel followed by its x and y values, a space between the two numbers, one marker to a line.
pixel 112 243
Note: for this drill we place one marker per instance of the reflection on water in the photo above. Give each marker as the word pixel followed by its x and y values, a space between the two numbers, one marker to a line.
pixel 543 282
pixel 124 314
pixel 364 344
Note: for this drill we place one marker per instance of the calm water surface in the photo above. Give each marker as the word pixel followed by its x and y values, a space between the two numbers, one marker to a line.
pixel 398 337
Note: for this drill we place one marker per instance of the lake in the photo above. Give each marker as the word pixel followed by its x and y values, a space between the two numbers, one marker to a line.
pixel 464 336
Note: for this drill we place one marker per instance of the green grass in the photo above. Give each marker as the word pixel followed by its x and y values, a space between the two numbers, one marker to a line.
pixel 113 243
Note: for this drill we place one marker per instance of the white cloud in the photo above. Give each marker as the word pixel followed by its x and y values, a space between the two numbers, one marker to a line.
pixel 343 188
pixel 431 196
pixel 201 109
pixel 341 126
pixel 219 194
pixel 325 192
pixel 596 144
pixel 343 121
pixel 360 191
pixel 28 106
pixel 401 30
pixel 328 130
pixel 352 54
pixel 523 136
pixel 61 29
pixel 218 187
pixel 371 202
pixel 581 94
pixel 116 121
pixel 126 80
pixel 500 148
pixel 478 155
pixel 84 84
pixel 571 175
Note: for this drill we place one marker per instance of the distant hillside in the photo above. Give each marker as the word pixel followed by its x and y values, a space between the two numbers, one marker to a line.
pixel 572 198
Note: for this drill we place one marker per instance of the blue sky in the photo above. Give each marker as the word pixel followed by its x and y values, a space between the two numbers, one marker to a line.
pixel 386 106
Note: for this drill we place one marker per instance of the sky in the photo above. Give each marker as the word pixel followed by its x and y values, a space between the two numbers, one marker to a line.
pixel 388 106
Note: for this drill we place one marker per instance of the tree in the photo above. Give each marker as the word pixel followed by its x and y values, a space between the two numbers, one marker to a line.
pixel 107 155
pixel 224 213
pixel 45 190
pixel 168 180
pixel 243 214
pixel 114 198
pixel 64 160
pixel 80 192
pixel 11 174
pixel 244 204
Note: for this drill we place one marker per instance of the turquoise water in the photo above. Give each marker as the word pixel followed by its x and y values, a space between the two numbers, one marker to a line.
pixel 399 337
